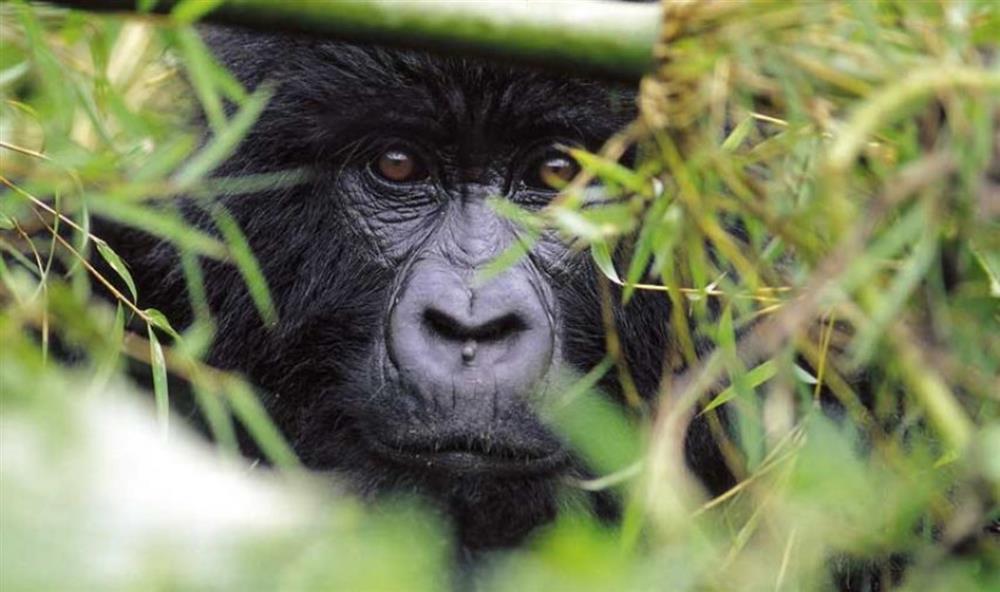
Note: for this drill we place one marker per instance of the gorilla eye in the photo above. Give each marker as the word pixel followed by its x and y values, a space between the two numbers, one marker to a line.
pixel 551 172
pixel 399 165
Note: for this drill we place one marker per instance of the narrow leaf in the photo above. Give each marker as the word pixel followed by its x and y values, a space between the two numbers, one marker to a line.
pixel 226 141
pixel 252 415
pixel 219 419
pixel 116 263
pixel 602 257
pixel 753 378
pixel 508 258
pixel 159 366
pixel 189 11
pixel 247 264
pixel 159 320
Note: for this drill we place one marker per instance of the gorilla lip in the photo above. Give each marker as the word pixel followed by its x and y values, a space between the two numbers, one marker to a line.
pixel 470 457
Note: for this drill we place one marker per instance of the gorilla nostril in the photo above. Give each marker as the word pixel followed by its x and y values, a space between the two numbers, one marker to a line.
pixel 444 325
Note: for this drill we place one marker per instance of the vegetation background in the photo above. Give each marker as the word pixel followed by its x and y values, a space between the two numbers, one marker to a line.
pixel 855 145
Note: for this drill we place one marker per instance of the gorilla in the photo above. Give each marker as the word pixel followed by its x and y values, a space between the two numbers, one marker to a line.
pixel 393 364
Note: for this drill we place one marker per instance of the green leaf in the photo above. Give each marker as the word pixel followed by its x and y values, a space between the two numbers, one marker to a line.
pixel 14 73
pixel 199 67
pixel 990 264
pixel 159 366
pixel 159 320
pixel 508 258
pixel 752 379
pixel 803 375
pixel 892 300
pixel 602 257
pixel 105 366
pixel 726 334
pixel 6 223
pixel 738 135
pixel 252 415
pixel 668 232
pixel 596 428
pixel 247 264
pixel 195 281
pixel 160 222
pixel 644 247
pixel 189 11
pixel 116 263
pixel 218 417
pixel 905 230
pixel 509 210
pixel 613 172
pixel 164 159
pixel 225 141
pixel 575 224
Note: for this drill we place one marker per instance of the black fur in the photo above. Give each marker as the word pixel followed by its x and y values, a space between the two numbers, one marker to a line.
pixel 332 264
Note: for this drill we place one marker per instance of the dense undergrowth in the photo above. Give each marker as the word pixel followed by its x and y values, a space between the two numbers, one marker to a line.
pixel 818 194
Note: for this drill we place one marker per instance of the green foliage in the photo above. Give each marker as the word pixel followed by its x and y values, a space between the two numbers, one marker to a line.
pixel 812 195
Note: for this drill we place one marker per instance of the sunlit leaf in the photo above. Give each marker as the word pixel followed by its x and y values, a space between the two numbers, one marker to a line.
pixel 602 257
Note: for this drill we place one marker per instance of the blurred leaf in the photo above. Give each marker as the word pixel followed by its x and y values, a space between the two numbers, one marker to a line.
pixel 610 171
pixel 508 257
pixel 644 246
pixel 201 70
pixel 159 320
pixel 112 258
pixel 251 414
pixel 247 264
pixel 220 422
pixel 159 367
pixel 602 257
pixel 738 135
pixel 990 264
pixel 189 11
pixel 162 223
pixel 804 375
pixel 595 428
pixel 752 379
pixel 226 139
pixel 910 273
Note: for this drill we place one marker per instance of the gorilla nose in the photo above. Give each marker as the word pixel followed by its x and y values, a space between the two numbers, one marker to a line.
pixel 470 345
pixel 470 334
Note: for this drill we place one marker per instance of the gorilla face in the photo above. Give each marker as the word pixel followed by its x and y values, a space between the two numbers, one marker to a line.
pixel 454 359
pixel 444 398
pixel 395 365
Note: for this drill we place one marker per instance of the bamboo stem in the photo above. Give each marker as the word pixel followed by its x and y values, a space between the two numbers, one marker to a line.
pixel 609 39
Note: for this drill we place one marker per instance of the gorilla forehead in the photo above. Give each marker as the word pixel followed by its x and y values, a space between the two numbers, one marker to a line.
pixel 337 92
pixel 456 97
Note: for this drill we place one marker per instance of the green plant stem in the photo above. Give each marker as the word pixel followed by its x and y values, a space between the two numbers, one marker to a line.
pixel 610 39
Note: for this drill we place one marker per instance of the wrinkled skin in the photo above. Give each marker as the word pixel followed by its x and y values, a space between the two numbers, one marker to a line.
pixel 391 366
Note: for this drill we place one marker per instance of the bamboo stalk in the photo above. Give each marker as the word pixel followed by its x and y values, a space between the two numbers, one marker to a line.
pixel 609 39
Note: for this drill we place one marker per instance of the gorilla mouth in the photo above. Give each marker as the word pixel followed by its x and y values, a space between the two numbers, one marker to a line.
pixel 471 456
